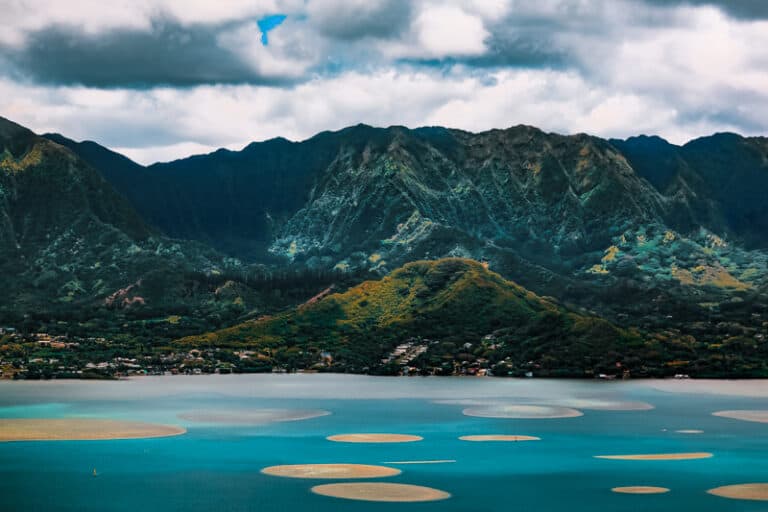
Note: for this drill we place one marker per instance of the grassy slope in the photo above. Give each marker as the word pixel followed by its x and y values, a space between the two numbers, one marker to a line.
pixel 455 300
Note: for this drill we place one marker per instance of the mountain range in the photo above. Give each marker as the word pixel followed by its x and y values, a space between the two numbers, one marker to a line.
pixel 263 193
pixel 668 242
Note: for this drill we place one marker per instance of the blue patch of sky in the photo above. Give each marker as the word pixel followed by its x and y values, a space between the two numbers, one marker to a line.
pixel 267 23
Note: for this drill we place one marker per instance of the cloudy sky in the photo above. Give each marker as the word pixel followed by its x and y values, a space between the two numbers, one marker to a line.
pixel 161 79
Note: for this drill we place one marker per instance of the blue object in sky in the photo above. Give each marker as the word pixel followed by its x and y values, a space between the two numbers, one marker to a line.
pixel 267 23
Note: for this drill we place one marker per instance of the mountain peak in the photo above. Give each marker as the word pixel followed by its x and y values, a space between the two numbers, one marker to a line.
pixel 14 137
pixel 717 138
pixel 646 140
pixel 10 129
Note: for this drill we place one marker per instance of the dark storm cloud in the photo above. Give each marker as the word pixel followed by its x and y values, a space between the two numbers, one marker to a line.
pixel 343 34
pixel 743 9
pixel 346 21
pixel 524 43
pixel 168 54
pixel 609 67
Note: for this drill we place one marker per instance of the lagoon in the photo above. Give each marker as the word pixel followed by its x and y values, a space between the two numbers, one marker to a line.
pixel 237 426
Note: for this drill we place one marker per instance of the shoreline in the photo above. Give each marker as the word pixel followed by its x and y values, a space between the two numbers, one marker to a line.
pixel 695 382
pixel 321 385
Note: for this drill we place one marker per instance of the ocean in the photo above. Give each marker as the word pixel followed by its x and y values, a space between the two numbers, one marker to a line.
pixel 217 464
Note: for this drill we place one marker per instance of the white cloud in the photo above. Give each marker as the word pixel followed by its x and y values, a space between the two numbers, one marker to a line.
pixel 631 68
pixel 204 118
pixel 624 115
pixel 22 16
pixel 447 31
pixel 276 60
pixel 488 9
pixel 206 11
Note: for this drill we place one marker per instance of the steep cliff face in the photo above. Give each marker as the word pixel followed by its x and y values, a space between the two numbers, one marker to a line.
pixel 231 200
pixel 67 236
pixel 574 213
pixel 362 192
pixel 569 216
pixel 46 188
pixel 716 182
pixel 436 192
pixel 735 171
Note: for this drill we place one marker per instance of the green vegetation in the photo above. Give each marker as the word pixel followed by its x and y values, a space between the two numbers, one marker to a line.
pixel 654 269
pixel 445 303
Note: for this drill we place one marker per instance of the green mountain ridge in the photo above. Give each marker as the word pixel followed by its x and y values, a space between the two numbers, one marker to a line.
pixel 547 210
pixel 456 316
pixel 68 240
pixel 646 240
pixel 452 301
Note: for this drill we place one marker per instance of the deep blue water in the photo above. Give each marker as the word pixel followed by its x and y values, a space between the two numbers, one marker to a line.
pixel 217 467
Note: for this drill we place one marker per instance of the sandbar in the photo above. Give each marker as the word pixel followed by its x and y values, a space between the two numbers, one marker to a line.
pixel 374 438
pixel 689 431
pixel 748 388
pixel 483 438
pixel 640 489
pixel 523 412
pixel 252 416
pixel 756 416
pixel 597 404
pixel 658 456
pixel 81 429
pixel 331 471
pixel 594 404
pixel 469 402
pixel 437 461
pixel 756 492
pixel 402 493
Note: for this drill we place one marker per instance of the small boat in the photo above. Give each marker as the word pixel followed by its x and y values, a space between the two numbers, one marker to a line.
pixel 94 472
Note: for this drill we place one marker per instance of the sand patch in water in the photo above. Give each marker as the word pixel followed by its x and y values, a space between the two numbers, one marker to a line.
pixel 512 438
pixel 437 461
pixel 399 493
pixel 330 471
pixel 640 489
pixel 658 456
pixel 755 416
pixel 522 412
pixel 594 404
pixel 81 429
pixel 689 431
pixel 748 387
pixel 252 416
pixel 374 438
pixel 755 492
pixel 597 404
pixel 473 402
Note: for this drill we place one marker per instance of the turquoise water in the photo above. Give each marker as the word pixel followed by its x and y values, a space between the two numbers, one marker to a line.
pixel 217 467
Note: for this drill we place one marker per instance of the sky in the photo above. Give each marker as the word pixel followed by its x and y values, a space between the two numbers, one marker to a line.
pixel 162 79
